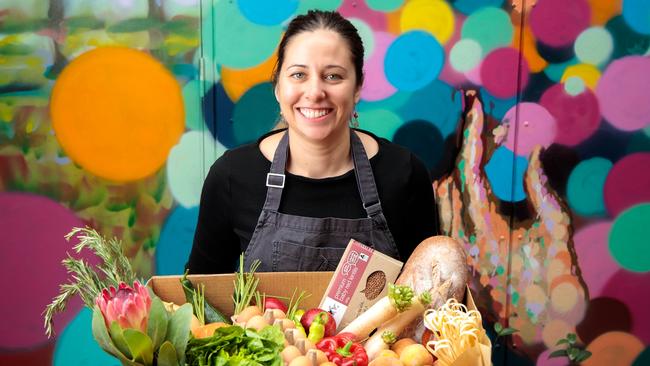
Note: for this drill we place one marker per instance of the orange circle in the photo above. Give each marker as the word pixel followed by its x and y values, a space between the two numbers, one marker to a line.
pixel 613 349
pixel 117 112
pixel 237 82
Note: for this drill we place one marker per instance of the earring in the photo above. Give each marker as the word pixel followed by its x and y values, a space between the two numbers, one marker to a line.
pixel 354 121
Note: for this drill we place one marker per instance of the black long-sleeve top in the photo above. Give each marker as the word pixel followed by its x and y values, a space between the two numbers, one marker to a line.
pixel 235 189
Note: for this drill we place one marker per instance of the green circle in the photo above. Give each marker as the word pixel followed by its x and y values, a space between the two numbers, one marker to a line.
pixel 585 187
pixel 391 103
pixel 318 4
pixel 381 122
pixel 490 27
pixel 192 105
pixel 465 55
pixel 574 85
pixel 594 46
pixel 367 37
pixel 628 238
pixel 239 43
pixel 384 5
pixel 255 113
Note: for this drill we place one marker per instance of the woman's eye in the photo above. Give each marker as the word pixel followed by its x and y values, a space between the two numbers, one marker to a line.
pixel 298 75
pixel 333 77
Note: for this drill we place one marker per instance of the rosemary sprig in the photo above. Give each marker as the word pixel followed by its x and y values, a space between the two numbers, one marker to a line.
pixel 199 303
pixel 85 279
pixel 245 285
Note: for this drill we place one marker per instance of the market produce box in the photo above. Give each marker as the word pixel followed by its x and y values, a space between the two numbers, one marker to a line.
pixel 219 287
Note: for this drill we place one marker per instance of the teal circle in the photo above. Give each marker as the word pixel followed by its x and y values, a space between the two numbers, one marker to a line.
pixel 574 85
pixel 585 187
pixel 366 34
pixel 384 5
pixel 393 102
pixel 192 105
pixel 306 5
pixel 255 113
pixel 437 103
pixel 469 6
pixel 491 27
pixel 264 12
pixel 239 43
pixel 628 238
pixel 413 60
pixel 499 171
pixel 637 14
pixel 77 347
pixel 175 243
pixel 381 122
pixel 594 46
pixel 465 55
pixel 555 71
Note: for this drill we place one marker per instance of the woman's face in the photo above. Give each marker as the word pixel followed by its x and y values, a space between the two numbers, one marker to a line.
pixel 316 87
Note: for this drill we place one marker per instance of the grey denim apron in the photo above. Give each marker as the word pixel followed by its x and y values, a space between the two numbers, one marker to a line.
pixel 287 243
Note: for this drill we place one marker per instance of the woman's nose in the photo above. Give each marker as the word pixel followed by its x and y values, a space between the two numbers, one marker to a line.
pixel 315 90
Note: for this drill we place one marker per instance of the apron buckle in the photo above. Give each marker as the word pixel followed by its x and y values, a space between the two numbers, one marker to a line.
pixel 275 180
pixel 373 208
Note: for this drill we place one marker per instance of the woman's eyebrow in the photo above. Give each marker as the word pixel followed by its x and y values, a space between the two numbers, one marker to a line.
pixel 296 65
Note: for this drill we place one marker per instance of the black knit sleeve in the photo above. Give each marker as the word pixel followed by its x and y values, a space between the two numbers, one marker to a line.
pixel 215 246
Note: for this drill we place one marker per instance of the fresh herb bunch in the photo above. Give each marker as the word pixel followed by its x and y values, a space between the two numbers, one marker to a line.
pixel 575 353
pixel 86 282
pixel 245 285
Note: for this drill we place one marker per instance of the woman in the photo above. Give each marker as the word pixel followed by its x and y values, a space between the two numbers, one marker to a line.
pixel 296 197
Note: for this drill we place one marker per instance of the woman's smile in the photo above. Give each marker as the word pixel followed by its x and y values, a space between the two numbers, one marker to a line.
pixel 315 114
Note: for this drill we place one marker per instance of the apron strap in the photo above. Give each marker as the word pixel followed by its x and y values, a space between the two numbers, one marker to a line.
pixel 362 170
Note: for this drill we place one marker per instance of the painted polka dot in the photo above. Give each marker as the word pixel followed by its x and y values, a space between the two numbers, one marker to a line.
pixel 629 287
pixel 586 185
pixel 423 139
pixel 497 21
pixel 613 348
pixel 627 183
pixel 381 122
pixel 555 330
pixel 470 6
pixel 236 82
pixel 433 16
pixel 558 22
pixel 267 12
pixel 367 36
pixel 436 103
pixel 627 41
pixel 525 43
pixel 499 72
pixel 594 46
pixel 384 5
pixel 34 257
pixel 602 11
pixel 255 114
pixel 391 103
pixel 496 107
pixel 254 43
pixel 465 55
pixel 637 14
pixel 192 105
pixel 499 171
pixel 77 347
pixel 574 85
pixel 578 117
pixel 188 164
pixel 376 85
pixel 604 314
pixel 622 93
pixel 589 74
pixel 555 71
pixel 175 243
pixel 628 239
pixel 377 20
pixel 535 126
pixel 413 60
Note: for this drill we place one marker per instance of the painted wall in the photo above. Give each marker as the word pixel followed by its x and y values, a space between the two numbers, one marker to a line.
pixel 546 181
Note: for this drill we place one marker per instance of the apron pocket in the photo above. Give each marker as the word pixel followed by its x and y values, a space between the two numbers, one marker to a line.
pixel 291 257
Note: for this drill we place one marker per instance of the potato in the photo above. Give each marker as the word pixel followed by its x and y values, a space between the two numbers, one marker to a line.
pixel 416 355
pixel 400 344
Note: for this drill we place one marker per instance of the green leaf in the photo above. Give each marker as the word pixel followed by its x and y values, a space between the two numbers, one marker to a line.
pixel 498 327
pixel 573 353
pixel 158 320
pixel 117 335
pixel 83 22
pixel 508 331
pixel 178 332
pixel 571 337
pixel 134 25
pixel 558 353
pixel 562 341
pixel 140 346
pixel 583 355
pixel 100 333
pixel 167 355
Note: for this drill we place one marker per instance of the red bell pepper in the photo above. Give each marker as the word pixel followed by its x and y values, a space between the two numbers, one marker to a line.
pixel 342 350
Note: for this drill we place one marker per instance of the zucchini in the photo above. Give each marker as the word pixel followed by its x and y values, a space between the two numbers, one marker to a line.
pixel 211 314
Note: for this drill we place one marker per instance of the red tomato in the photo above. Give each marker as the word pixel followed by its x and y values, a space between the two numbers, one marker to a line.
pixel 274 303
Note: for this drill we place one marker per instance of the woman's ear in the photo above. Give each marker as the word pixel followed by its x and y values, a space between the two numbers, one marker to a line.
pixel 357 96
pixel 275 92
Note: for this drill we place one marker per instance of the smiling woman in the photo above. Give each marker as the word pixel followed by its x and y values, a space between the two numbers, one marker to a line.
pixel 296 197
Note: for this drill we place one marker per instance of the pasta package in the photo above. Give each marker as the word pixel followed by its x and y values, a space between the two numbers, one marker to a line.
pixel 458 337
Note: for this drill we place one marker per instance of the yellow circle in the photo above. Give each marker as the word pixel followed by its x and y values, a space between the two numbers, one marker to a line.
pixel 614 349
pixel 433 16
pixel 588 73
pixel 117 112
pixel 564 297
pixel 555 330
pixel 236 82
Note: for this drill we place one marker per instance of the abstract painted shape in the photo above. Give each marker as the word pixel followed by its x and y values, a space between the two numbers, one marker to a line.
pixel 432 16
pixel 77 347
pixel 536 127
pixel 376 85
pixel 585 187
pixel 628 239
pixel 627 183
pixel 499 72
pixel 413 60
pixel 578 117
pixel 175 243
pixel 557 22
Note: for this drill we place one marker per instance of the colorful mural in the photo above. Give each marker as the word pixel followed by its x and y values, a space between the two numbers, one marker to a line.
pixel 112 111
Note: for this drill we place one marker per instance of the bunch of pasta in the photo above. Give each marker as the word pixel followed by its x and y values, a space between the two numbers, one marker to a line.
pixel 458 337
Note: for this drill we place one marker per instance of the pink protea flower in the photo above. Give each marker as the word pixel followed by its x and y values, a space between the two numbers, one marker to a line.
pixel 128 306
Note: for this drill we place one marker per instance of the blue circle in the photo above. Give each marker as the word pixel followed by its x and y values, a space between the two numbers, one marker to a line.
pixel 500 174
pixel 637 15
pixel 496 107
pixel 77 347
pixel 175 243
pixel 423 139
pixel 413 60
pixel 264 12
pixel 467 7
pixel 437 103
pixel 217 112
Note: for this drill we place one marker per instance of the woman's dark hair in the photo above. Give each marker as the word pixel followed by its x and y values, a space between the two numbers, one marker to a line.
pixel 331 20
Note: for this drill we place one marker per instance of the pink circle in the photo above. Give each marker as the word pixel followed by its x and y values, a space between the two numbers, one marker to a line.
pixel 536 126
pixel 623 93
pixel 594 259
pixel 33 244
pixel 358 9
pixel 448 74
pixel 376 85
pixel 474 75
pixel 499 72
pixel 632 289
pixel 543 360
pixel 628 183
pixel 558 22
pixel 577 117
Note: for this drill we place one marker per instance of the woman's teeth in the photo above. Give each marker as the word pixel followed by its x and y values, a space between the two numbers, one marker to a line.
pixel 314 113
